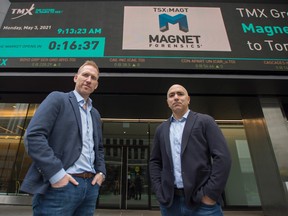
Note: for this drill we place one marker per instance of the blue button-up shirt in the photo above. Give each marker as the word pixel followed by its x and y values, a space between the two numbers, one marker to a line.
pixel 176 132
pixel 85 162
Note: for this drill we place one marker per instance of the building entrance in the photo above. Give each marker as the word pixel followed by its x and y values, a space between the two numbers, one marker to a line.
pixel 126 154
pixel 126 186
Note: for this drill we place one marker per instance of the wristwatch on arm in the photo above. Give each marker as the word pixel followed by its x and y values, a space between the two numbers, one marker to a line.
pixel 102 174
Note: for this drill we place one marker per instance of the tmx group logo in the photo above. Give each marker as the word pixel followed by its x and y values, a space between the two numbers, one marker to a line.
pixel 165 19
pixel 3 62
pixel 20 12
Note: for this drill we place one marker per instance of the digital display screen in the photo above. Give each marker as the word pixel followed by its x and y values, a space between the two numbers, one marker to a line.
pixel 146 35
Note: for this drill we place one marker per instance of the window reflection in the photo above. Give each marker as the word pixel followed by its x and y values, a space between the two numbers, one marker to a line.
pixel 13 119
pixel 241 188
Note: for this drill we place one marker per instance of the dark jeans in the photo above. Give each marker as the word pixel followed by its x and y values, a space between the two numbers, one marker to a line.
pixel 180 209
pixel 69 200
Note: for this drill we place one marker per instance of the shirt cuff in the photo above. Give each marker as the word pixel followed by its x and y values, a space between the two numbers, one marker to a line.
pixel 57 177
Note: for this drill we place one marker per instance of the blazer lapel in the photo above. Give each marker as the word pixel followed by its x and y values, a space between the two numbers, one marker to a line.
pixel 190 121
pixel 75 107
pixel 167 140
pixel 95 123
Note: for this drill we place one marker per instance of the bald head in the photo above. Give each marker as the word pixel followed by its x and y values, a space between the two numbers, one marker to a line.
pixel 176 86
pixel 178 100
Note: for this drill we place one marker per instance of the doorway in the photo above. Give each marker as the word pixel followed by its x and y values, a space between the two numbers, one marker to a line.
pixel 127 152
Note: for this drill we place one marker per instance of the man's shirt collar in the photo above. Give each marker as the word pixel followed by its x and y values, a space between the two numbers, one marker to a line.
pixel 184 117
pixel 81 100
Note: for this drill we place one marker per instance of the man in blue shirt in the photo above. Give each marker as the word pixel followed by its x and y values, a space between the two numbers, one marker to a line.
pixel 64 140
pixel 190 161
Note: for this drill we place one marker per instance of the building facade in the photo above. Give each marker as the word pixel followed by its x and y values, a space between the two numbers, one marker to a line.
pixel 237 73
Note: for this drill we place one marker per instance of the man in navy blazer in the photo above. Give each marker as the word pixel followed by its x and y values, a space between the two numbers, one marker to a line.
pixel 190 161
pixel 64 140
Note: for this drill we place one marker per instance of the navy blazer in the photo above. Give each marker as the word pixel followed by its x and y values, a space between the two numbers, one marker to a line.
pixel 53 139
pixel 202 140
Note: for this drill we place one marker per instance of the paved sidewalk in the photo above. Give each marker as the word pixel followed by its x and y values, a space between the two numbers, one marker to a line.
pixel 11 210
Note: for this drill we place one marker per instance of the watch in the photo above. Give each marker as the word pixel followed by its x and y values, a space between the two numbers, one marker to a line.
pixel 102 174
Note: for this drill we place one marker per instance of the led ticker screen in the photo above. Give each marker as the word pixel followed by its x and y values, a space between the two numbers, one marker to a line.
pixel 146 35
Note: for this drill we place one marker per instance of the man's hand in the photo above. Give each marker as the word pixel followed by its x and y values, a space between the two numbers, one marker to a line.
pixel 208 201
pixel 64 181
pixel 99 179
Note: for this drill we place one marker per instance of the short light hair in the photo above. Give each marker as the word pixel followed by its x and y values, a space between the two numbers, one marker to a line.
pixel 91 63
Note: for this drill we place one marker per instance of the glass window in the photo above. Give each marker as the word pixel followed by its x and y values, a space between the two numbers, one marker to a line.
pixel 241 188
pixel 126 154
pixel 14 160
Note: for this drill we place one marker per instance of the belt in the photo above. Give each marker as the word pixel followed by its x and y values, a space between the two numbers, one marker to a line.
pixel 84 175
pixel 179 192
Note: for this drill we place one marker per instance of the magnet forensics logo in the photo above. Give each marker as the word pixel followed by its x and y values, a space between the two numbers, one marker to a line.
pixel 174 28
pixel 20 12
pixel 174 39
pixel 165 19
